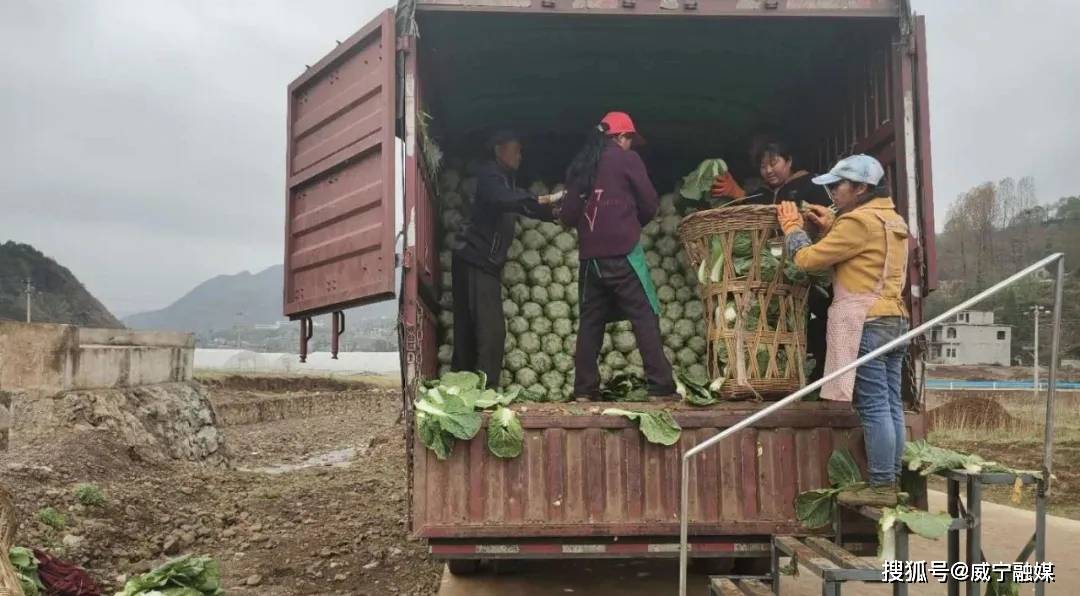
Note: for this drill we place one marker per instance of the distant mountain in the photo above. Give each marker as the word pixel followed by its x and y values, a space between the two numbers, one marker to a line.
pixel 244 299
pixel 57 296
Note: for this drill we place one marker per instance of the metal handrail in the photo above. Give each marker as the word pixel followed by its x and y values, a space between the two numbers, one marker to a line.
pixel 1059 258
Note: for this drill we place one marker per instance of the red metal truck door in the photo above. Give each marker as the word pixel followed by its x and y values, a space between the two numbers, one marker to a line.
pixel 339 221
pixel 922 146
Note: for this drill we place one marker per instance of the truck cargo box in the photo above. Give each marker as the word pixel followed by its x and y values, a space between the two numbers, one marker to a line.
pixel 700 78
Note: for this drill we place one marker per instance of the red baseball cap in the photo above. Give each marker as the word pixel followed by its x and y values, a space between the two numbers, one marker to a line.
pixel 620 123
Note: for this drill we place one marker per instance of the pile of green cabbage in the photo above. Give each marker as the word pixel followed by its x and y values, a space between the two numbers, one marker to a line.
pixel 540 296
pixel 540 292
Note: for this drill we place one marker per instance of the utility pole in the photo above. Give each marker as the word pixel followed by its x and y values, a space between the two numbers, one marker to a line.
pixel 1035 365
pixel 238 316
pixel 29 291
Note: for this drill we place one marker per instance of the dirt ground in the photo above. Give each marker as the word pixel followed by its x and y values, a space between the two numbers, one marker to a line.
pixel 315 500
pixel 1008 427
pixel 314 505
pixel 977 412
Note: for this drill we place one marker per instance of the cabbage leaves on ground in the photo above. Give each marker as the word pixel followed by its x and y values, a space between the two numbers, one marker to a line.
pixel 924 458
pixel 928 525
pixel 189 575
pixel 694 388
pixel 26 570
pixel 657 426
pixel 624 387
pixel 814 508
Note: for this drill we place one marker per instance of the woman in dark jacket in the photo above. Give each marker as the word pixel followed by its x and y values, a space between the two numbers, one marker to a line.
pixel 783 182
pixel 609 198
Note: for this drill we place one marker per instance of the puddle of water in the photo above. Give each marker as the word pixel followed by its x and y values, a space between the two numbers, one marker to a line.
pixel 341 458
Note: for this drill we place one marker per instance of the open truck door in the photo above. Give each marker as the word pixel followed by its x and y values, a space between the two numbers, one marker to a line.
pixel 925 167
pixel 339 223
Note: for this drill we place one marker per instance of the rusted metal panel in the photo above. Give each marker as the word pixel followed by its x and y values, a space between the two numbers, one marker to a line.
pixel 579 481
pixel 926 168
pixel 730 479
pixel 535 493
pixel 741 8
pixel 339 235
pixel 595 485
pixel 573 480
pixel 615 503
pixel 429 269
pixel 555 461
pixel 635 494
pixel 593 476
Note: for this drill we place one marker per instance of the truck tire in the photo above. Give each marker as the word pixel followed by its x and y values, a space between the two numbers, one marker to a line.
pixel 504 566
pixel 463 566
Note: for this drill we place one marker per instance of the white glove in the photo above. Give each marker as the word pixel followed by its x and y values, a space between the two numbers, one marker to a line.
pixel 551 198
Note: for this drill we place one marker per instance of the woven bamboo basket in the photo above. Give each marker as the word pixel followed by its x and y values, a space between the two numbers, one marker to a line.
pixel 755 287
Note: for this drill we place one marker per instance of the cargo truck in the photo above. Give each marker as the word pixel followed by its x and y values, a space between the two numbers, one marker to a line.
pixel 701 78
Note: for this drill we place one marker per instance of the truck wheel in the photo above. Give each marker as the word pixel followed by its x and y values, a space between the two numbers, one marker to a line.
pixel 505 566
pixel 463 566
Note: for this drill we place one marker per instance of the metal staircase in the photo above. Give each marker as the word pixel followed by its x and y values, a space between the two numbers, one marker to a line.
pixel 836 565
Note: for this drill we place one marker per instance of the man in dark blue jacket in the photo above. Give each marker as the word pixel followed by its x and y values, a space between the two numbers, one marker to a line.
pixel 479 324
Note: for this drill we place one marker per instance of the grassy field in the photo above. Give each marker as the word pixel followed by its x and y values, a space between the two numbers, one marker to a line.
pixel 1008 427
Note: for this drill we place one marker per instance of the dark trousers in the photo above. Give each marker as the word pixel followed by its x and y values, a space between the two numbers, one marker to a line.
pixel 611 291
pixel 818 305
pixel 479 326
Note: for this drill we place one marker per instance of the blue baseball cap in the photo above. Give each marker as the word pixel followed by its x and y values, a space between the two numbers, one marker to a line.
pixel 857 168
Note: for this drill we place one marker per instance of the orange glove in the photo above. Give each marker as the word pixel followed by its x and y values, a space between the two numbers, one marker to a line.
pixel 790 218
pixel 725 186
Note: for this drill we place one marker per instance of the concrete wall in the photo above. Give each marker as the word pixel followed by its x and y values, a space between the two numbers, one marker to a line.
pixel 54 358
pixel 36 357
pixel 973 344
pixel 975 317
pixel 980 345
pixel 127 337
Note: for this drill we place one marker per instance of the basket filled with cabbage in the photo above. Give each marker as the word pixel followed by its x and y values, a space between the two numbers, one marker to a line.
pixel 755 300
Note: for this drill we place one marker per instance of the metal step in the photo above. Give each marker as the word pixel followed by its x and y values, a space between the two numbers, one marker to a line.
pixel 724 586
pixel 826 560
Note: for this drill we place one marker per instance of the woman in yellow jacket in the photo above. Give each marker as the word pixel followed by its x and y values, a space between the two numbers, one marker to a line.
pixel 866 245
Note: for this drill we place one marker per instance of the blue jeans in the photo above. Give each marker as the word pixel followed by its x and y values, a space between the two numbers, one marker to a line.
pixel 877 399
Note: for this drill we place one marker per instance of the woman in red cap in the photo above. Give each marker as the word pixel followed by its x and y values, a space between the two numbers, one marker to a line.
pixel 609 198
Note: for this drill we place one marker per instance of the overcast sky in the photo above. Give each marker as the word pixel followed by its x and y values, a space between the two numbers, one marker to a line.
pixel 145 138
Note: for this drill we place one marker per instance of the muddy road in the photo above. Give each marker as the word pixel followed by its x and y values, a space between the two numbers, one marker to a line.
pixel 315 502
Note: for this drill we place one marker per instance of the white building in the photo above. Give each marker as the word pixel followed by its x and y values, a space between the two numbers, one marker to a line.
pixel 971 338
